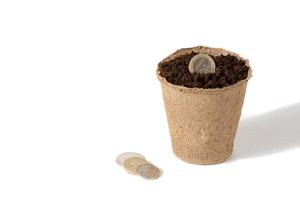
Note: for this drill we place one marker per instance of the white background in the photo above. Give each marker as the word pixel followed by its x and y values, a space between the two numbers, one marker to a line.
pixel 78 87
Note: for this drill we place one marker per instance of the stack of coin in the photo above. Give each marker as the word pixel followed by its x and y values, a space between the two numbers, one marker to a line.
pixel 135 163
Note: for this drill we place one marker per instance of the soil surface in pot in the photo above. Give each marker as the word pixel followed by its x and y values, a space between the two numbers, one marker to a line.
pixel 229 70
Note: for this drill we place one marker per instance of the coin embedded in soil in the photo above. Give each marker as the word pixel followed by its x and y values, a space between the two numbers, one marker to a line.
pixel 148 171
pixel 132 164
pixel 124 156
pixel 202 64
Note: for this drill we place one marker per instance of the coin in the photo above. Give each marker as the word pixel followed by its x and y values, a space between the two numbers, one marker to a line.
pixel 132 164
pixel 148 171
pixel 124 156
pixel 202 64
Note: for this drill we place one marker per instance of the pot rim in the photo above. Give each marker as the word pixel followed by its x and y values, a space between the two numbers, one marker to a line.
pixel 205 50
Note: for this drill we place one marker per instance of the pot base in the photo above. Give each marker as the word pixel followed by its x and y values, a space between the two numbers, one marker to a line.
pixel 207 161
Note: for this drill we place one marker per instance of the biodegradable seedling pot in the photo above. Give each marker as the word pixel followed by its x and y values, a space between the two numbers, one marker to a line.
pixel 203 122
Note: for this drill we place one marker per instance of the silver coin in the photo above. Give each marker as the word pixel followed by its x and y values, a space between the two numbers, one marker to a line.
pixel 124 156
pixel 202 64
pixel 148 171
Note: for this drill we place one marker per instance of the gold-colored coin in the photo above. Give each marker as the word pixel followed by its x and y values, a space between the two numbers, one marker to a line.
pixel 132 164
pixel 202 64
pixel 148 171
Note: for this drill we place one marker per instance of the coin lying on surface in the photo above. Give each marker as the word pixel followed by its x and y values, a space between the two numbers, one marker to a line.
pixel 202 64
pixel 132 164
pixel 135 163
pixel 148 171
pixel 124 156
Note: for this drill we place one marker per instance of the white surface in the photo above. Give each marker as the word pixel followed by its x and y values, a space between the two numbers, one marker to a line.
pixel 78 87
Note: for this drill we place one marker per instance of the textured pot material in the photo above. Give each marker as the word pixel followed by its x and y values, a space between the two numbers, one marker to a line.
pixel 203 122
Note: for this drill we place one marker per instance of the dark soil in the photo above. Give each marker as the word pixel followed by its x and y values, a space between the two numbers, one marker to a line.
pixel 229 70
